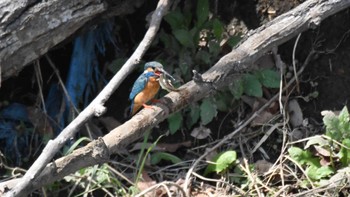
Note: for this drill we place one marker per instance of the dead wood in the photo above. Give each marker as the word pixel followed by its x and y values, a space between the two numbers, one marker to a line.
pixel 29 28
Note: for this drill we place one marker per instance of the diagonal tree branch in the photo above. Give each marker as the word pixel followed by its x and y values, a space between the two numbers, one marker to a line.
pixel 94 108
pixel 309 14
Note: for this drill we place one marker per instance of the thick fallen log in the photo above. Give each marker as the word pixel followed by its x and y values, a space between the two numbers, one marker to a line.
pixel 305 16
pixel 29 28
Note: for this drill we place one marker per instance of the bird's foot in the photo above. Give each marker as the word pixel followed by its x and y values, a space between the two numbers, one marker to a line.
pixel 147 106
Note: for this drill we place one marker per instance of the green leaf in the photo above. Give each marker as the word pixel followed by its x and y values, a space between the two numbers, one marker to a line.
pixel 303 156
pixel 316 140
pixel 237 88
pixel 159 156
pixel 331 121
pixel 208 111
pixel 71 149
pixel 193 116
pixel 252 86
pixel 218 29
pixel 344 115
pixel 337 127
pixel 317 173
pixel 222 162
pixel 202 12
pixel 175 19
pixel 344 153
pixel 175 122
pixel 269 78
pixel 184 37
pixel 344 123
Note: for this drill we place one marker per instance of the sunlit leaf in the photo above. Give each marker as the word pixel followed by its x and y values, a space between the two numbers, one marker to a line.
pixel 316 140
pixel 208 111
pixel 221 162
pixel 344 124
pixel 317 173
pixel 303 156
pixel 344 153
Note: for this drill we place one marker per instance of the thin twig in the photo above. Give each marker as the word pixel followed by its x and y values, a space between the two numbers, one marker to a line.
pixel 39 80
pixel 60 81
pixel 294 63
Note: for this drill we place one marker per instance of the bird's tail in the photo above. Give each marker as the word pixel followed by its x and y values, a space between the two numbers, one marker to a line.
pixel 134 108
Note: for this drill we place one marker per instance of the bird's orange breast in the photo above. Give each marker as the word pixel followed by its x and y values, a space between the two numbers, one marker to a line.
pixel 149 92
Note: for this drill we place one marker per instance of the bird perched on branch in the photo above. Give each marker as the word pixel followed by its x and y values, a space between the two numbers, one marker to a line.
pixel 146 86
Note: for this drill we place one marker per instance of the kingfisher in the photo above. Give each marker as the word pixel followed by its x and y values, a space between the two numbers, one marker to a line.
pixel 146 86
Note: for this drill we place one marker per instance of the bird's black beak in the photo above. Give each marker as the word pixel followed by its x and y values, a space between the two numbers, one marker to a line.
pixel 166 73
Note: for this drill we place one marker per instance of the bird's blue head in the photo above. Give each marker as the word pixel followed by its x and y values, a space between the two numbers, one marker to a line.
pixel 154 65
pixel 157 68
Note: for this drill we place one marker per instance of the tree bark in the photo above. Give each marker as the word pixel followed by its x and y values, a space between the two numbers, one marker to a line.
pixel 29 28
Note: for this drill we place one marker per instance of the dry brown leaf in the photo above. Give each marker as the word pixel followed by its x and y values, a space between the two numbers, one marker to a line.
pixel 262 118
pixel 262 166
pixel 322 151
pixel 147 182
pixel 200 132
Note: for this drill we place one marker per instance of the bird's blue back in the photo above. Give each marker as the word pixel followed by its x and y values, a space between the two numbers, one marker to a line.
pixel 140 84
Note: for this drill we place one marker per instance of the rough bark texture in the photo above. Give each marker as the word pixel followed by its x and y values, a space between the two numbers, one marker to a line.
pixel 260 41
pixel 29 28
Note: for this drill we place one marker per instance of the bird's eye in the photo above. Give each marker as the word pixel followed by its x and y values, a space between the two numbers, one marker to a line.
pixel 153 68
